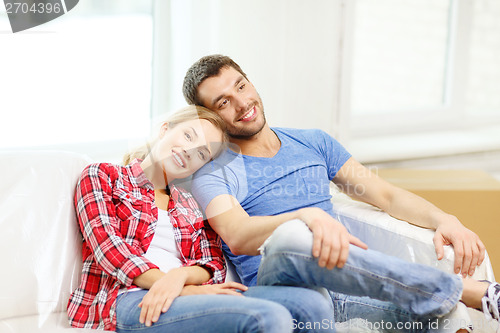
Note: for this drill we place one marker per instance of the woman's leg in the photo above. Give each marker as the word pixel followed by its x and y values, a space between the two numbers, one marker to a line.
pixel 311 311
pixel 205 313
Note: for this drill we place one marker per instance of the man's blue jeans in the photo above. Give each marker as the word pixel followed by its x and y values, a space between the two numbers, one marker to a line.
pixel 266 309
pixel 417 292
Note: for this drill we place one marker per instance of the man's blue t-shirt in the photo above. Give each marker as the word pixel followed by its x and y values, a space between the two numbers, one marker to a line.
pixel 297 176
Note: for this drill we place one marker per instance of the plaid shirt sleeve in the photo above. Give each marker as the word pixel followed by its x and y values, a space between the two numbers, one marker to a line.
pixel 207 251
pixel 100 227
pixel 206 248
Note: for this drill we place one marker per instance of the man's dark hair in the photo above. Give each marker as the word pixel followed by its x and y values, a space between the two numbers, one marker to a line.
pixel 205 68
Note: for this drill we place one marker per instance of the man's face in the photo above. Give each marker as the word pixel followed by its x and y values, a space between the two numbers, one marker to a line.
pixel 235 99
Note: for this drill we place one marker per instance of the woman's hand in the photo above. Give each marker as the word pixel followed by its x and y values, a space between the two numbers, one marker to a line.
pixel 161 295
pixel 165 287
pixel 227 288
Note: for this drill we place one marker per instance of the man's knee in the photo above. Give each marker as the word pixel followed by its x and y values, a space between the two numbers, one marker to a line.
pixel 291 236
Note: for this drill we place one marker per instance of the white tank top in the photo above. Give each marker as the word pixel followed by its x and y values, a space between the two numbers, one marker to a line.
pixel 163 251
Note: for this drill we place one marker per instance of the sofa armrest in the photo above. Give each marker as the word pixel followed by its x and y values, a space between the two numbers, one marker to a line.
pixel 384 233
pixel 40 240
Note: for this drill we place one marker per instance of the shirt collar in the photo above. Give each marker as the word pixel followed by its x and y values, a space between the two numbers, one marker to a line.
pixel 138 176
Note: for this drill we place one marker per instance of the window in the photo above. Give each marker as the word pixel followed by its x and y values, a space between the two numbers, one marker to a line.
pixel 84 77
pixel 421 65
pixel 399 55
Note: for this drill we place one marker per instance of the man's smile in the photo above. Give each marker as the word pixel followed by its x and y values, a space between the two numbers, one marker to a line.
pixel 250 115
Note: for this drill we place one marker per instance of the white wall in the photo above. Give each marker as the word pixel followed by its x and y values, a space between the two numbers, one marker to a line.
pixel 288 48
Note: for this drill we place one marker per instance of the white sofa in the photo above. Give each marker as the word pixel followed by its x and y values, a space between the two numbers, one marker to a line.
pixel 40 242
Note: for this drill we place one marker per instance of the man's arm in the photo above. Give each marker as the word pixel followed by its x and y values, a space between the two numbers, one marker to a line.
pixel 358 182
pixel 244 234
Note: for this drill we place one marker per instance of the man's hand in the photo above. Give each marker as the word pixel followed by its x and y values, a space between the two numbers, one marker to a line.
pixel 227 288
pixel 468 248
pixel 330 238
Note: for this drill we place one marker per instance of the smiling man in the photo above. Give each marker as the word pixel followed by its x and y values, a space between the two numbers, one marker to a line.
pixel 275 181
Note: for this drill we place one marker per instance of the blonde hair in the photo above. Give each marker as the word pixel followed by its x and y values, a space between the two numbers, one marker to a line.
pixel 190 112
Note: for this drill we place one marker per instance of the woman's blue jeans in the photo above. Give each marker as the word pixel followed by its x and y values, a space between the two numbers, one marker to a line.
pixel 415 292
pixel 266 309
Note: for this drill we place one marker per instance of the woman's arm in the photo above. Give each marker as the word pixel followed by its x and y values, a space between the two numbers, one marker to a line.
pixel 186 275
pixel 205 249
pixel 99 225
pixel 207 253
pixel 165 287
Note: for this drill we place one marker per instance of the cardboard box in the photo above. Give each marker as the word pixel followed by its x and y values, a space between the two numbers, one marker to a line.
pixel 473 196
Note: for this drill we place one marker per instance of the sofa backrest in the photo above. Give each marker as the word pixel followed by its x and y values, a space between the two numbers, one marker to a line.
pixel 40 243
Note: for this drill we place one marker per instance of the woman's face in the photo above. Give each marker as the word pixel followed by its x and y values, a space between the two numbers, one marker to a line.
pixel 186 147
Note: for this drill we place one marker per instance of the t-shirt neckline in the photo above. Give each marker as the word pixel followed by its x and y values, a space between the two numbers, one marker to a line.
pixel 282 144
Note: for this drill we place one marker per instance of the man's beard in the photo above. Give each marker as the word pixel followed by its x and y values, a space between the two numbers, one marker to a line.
pixel 245 133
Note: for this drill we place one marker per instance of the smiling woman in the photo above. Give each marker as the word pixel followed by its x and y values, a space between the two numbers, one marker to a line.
pixel 82 78
pixel 187 140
